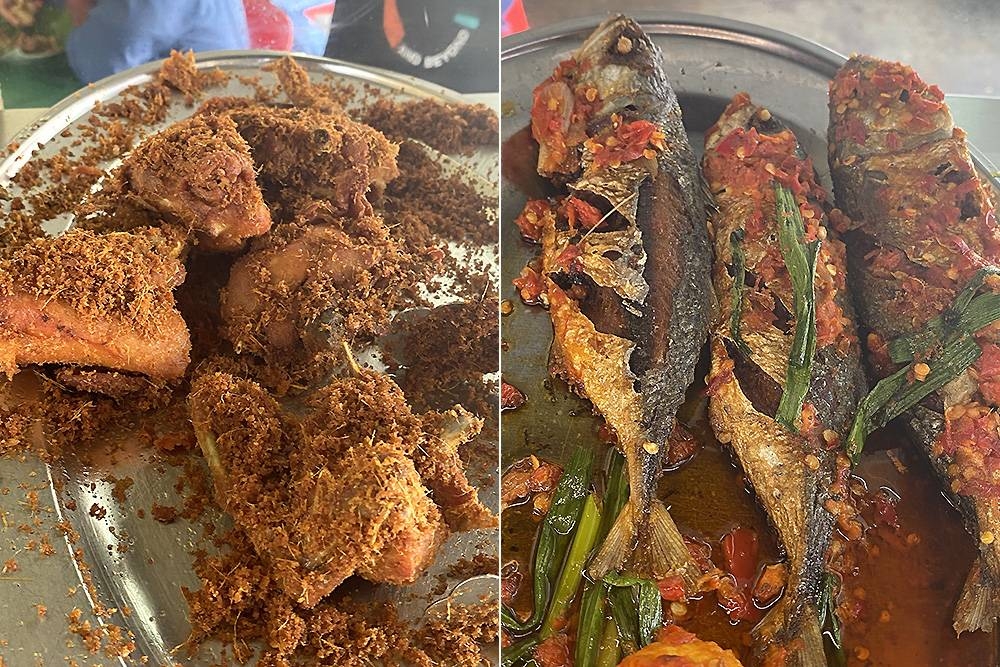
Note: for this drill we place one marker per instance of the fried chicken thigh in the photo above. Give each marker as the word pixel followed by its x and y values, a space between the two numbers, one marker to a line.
pixel 310 283
pixel 88 300
pixel 196 175
pixel 315 154
pixel 332 494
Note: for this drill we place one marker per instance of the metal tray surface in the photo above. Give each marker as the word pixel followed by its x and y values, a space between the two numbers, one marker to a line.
pixel 707 60
pixel 148 576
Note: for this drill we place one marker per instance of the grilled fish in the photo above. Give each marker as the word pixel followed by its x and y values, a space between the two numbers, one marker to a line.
pixel 924 227
pixel 747 152
pixel 624 267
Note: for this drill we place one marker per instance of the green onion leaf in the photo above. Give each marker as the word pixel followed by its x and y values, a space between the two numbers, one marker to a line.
pixel 553 540
pixel 584 539
pixel 829 622
pixel 739 283
pixel 950 333
pixel 645 614
pixel 590 627
pixel 800 260
pixel 894 395
pixel 519 653
pixel 625 619
pixel 967 314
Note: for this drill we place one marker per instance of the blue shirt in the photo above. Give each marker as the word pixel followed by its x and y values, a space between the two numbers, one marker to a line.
pixel 119 34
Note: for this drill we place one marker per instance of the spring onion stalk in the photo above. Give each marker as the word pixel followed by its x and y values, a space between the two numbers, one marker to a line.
pixel 829 623
pixel 967 314
pixel 517 653
pixel 590 626
pixel 616 492
pixel 739 283
pixel 594 601
pixel 584 539
pixel 567 505
pixel 894 395
pixel 800 260
pixel 609 655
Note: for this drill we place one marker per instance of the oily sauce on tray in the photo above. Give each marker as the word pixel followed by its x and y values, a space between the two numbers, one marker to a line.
pixel 904 583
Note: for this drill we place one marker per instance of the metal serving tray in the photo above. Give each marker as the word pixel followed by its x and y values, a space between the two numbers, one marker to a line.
pixel 707 60
pixel 147 578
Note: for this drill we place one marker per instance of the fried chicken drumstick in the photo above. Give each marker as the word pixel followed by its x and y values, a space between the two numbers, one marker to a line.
pixel 196 176
pixel 342 490
pixel 89 300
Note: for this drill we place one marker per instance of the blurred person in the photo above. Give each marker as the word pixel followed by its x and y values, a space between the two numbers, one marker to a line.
pixel 453 43
pixel 113 35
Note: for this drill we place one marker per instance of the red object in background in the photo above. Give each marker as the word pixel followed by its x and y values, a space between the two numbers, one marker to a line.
pixel 514 19
pixel 269 27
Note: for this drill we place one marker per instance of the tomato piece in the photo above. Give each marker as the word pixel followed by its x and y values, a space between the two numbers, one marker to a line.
pixel 672 588
pixel 580 214
pixel 740 549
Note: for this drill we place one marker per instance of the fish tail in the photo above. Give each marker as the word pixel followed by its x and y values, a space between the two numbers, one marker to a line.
pixel 654 551
pixel 616 546
pixel 979 605
pixel 790 636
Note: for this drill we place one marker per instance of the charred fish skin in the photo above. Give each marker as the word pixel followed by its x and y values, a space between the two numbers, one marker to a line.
pixel 923 224
pixel 609 127
pixel 747 152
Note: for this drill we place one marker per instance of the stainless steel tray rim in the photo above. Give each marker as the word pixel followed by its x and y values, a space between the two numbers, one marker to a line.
pixel 57 117
pixel 684 24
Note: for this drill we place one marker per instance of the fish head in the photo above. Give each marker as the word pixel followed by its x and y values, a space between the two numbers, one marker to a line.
pixel 623 64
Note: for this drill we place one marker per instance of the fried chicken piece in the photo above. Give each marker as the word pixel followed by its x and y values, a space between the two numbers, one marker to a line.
pixel 371 405
pixel 102 301
pixel 444 472
pixel 196 175
pixel 320 280
pixel 323 155
pixel 302 92
pixel 319 503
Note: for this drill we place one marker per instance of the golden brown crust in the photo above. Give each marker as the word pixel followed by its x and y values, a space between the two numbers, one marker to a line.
pixel 196 175
pixel 94 300
pixel 307 286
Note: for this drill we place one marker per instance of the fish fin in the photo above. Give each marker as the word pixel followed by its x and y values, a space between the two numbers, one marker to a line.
pixel 616 546
pixel 667 553
pixel 790 636
pixel 979 605
pixel 662 553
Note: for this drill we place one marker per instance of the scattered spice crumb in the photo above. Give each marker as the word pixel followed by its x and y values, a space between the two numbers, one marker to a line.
pixel 164 513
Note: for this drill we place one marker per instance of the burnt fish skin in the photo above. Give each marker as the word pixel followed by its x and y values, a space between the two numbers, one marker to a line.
pixel 625 267
pixel 924 230
pixel 748 152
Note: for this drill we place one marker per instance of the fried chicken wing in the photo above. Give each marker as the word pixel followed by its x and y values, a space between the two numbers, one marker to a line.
pixel 323 155
pixel 196 175
pixel 103 301
pixel 322 279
